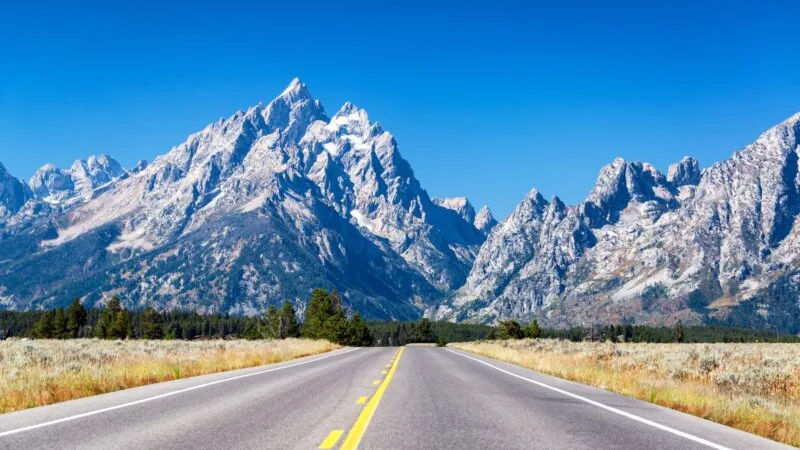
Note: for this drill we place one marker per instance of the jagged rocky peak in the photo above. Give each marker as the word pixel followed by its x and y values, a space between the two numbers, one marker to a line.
pixel 52 184
pixel 95 171
pixel 293 111
pixel 354 120
pixel 684 172
pixel 55 185
pixel 532 207
pixel 140 166
pixel 484 220
pixel 14 193
pixel 620 183
pixel 460 205
pixel 757 190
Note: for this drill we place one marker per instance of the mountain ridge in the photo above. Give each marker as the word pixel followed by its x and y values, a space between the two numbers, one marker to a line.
pixel 280 198
pixel 338 186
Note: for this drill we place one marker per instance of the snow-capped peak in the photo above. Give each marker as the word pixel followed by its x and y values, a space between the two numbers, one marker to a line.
pixel 292 112
pixel 296 88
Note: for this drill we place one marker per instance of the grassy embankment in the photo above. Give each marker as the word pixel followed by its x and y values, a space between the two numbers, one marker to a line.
pixel 41 372
pixel 752 387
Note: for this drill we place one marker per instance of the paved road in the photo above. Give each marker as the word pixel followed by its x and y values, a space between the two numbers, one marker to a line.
pixel 371 398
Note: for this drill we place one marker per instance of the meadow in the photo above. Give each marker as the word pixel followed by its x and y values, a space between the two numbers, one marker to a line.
pixel 753 387
pixel 41 372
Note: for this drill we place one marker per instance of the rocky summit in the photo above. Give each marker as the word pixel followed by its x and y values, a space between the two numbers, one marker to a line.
pixel 253 209
pixel 282 198
pixel 716 246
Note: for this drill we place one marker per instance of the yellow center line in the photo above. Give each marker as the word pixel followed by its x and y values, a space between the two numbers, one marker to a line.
pixel 361 400
pixel 332 439
pixel 360 427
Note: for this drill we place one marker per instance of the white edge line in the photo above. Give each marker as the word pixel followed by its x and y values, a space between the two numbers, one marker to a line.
pixel 168 394
pixel 682 434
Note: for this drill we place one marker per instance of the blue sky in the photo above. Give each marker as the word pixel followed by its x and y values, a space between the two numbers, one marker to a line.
pixel 486 100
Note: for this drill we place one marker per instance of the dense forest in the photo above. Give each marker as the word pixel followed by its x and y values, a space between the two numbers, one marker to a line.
pixel 425 331
pixel 326 318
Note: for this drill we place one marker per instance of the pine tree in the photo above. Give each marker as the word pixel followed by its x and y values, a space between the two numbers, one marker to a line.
pixel 60 324
pixel 533 330
pixel 43 328
pixel 358 334
pixel 325 317
pixel 679 333
pixel 151 324
pixel 423 332
pixel 272 324
pixel 107 322
pixel 251 331
pixel 628 333
pixel 509 329
pixel 76 318
pixel 289 320
pixel 123 325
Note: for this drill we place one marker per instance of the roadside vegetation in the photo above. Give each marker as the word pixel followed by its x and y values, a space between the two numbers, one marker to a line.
pixel 752 387
pixel 325 318
pixel 42 372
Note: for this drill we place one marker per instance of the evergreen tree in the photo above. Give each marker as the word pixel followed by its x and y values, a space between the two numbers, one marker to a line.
pixel 358 334
pixel 509 329
pixel 123 325
pixel 628 333
pixel 325 318
pixel 107 322
pixel 423 332
pixel 281 324
pixel 533 330
pixel 272 324
pixel 251 331
pixel 76 318
pixel 60 324
pixel 289 320
pixel 151 324
pixel 43 328
pixel 680 334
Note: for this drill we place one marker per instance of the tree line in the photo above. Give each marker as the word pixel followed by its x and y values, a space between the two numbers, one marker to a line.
pixel 678 333
pixel 427 331
pixel 326 318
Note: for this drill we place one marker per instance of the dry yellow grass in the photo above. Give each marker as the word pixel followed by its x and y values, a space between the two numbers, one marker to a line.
pixel 752 387
pixel 41 372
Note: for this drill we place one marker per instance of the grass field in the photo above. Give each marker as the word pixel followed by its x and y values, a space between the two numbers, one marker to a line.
pixel 41 372
pixel 752 387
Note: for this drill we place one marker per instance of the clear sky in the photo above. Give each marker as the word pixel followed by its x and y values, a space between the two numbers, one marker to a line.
pixel 485 101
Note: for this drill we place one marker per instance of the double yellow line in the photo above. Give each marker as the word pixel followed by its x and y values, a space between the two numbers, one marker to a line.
pixel 360 427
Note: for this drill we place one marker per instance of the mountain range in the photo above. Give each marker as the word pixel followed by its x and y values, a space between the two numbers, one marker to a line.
pixel 283 198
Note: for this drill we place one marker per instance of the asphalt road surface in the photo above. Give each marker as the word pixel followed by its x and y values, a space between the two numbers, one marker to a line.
pixel 381 398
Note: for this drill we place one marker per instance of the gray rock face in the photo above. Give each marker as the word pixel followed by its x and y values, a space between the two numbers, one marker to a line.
pixel 484 220
pixel 460 205
pixel 684 172
pixel 646 247
pixel 14 193
pixel 79 183
pixel 281 198
pixel 140 166
pixel 253 209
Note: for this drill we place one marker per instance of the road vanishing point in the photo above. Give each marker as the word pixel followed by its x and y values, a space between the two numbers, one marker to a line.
pixel 369 398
